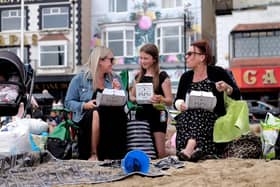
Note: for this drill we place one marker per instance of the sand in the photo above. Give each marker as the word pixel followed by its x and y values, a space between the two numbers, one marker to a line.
pixel 222 172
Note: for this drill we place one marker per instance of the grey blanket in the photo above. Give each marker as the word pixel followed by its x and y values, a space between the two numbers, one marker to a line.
pixel 42 169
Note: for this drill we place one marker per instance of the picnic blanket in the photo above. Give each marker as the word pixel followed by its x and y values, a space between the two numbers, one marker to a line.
pixel 42 169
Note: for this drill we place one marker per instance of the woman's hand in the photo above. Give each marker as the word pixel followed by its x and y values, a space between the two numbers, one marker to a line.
pixel 116 84
pixel 156 99
pixel 222 86
pixel 90 105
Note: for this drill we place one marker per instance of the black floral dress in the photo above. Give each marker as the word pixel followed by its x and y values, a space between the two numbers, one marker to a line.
pixel 197 124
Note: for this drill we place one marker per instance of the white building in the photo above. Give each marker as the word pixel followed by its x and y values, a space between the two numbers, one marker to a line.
pixel 126 25
pixel 54 39
pixel 248 37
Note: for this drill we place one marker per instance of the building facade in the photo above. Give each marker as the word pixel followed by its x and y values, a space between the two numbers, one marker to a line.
pixel 248 37
pixel 126 25
pixel 56 41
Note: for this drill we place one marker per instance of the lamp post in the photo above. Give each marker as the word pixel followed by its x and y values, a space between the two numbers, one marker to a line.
pixel 187 27
pixel 22 32
pixel 74 2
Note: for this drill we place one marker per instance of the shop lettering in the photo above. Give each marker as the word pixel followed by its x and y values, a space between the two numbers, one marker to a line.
pixel 51 86
pixel 15 40
pixel 268 77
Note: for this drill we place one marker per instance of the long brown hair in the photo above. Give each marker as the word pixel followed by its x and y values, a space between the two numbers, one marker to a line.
pixel 152 50
pixel 204 48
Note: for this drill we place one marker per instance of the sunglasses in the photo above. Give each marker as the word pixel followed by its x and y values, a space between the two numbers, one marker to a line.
pixel 189 53
pixel 111 59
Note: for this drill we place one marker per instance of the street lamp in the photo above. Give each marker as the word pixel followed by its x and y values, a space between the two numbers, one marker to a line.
pixel 74 2
pixel 187 27
pixel 22 31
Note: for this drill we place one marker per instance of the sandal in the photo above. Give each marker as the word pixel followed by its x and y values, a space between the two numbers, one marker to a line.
pixel 197 154
pixel 183 157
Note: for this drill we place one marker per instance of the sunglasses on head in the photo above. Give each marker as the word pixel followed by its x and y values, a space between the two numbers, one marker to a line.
pixel 189 53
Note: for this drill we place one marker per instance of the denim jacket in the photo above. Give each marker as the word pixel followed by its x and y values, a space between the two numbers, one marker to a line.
pixel 80 91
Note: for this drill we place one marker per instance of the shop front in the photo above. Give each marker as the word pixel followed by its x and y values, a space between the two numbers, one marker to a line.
pixel 56 85
pixel 259 82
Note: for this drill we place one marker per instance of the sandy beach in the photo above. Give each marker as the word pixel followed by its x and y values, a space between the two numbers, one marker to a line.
pixel 223 172
pixel 220 172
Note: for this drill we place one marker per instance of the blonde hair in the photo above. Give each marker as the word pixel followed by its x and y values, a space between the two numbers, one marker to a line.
pixel 99 52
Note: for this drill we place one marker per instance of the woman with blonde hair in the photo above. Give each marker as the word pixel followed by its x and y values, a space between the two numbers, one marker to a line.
pixel 96 123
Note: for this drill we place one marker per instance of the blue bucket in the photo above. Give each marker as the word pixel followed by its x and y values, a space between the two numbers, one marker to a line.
pixel 136 160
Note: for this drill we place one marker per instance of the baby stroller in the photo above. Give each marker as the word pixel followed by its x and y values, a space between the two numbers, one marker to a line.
pixel 16 84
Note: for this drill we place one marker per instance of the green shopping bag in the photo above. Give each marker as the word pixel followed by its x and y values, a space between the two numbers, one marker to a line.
pixel 234 123
pixel 62 131
pixel 60 142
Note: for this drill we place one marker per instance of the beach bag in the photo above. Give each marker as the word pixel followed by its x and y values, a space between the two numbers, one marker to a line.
pixel 247 146
pixel 139 136
pixel 234 123
pixel 62 142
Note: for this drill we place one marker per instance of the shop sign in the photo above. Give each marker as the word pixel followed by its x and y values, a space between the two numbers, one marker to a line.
pixel 15 40
pixel 51 86
pixel 267 77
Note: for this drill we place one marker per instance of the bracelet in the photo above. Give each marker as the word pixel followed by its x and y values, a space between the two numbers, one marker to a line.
pixel 228 90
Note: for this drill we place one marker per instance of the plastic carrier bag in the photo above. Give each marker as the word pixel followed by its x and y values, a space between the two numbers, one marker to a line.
pixel 270 137
pixel 234 123
pixel 14 139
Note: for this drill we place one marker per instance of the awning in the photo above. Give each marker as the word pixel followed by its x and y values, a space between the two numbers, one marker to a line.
pixel 51 37
pixel 53 78
pixel 256 27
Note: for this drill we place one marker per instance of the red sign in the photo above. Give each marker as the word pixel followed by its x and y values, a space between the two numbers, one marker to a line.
pixel 265 77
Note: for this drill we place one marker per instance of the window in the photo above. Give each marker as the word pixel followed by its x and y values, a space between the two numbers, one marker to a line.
pixel 11 19
pixel 55 17
pixel 170 39
pixel 255 44
pixel 120 41
pixel 117 5
pixel 171 3
pixel 16 50
pixel 53 54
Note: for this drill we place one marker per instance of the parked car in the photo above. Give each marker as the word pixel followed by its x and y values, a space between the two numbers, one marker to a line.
pixel 259 109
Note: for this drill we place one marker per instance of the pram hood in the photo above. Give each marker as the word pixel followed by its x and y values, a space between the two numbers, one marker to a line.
pixel 17 75
pixel 11 63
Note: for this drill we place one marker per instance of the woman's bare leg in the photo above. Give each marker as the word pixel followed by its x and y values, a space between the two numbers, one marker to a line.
pixel 95 135
pixel 191 144
pixel 160 143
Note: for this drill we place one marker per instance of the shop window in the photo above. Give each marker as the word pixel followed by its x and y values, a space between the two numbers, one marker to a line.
pixel 256 44
pixel 55 17
pixel 120 41
pixel 170 38
pixel 53 54
pixel 117 5
pixel 11 19
pixel 171 4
